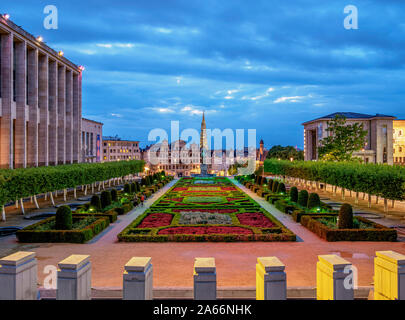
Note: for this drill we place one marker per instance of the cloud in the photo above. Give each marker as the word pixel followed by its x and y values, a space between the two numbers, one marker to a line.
pixel 289 99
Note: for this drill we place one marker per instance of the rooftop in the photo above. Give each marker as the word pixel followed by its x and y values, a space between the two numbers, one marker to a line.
pixel 352 115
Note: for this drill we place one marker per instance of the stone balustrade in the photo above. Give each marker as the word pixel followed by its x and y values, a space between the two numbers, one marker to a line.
pixel 335 278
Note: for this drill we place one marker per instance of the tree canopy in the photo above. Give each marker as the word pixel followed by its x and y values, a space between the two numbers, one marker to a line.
pixel 343 139
pixel 285 153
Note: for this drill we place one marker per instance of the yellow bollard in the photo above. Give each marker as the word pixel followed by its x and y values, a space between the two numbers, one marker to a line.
pixel 332 278
pixel 389 276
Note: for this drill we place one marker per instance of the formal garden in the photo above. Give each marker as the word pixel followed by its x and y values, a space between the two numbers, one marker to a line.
pixel 92 217
pixel 307 208
pixel 205 209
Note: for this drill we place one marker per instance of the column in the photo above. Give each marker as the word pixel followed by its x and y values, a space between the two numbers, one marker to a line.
pixel 6 124
pixel 138 279
pixel 74 278
pixel 389 276
pixel 61 114
pixel 79 128
pixel 77 118
pixel 20 143
pixel 69 116
pixel 43 101
pixel 205 279
pixel 332 278
pixel 32 144
pixel 271 280
pixel 18 276
pixel 53 112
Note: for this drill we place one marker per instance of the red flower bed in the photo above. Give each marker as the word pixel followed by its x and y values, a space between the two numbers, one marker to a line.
pixel 228 188
pixel 205 230
pixel 233 199
pixel 155 220
pixel 176 199
pixel 255 219
pixel 208 210
pixel 180 189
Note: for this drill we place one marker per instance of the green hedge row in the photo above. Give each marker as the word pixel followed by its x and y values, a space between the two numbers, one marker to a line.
pixel 21 183
pixel 376 179
pixel 377 233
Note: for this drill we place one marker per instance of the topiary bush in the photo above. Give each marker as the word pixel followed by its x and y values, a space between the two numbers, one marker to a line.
pixel 294 194
pixel 105 199
pixel 270 184
pixel 95 202
pixel 127 188
pixel 314 201
pixel 63 218
pixel 303 198
pixel 281 188
pixel 345 217
pixel 275 186
pixel 114 195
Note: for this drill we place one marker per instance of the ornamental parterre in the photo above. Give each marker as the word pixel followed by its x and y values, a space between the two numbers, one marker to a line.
pixel 205 199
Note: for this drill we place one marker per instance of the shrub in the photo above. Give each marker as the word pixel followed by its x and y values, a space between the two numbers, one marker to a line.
pixel 127 188
pixel 314 201
pixel 95 202
pixel 281 188
pixel 132 187
pixel 294 194
pixel 345 217
pixel 106 199
pixel 275 186
pixel 114 195
pixel 63 218
pixel 270 184
pixel 303 198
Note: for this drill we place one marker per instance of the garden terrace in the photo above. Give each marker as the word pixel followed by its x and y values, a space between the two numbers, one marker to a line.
pixel 191 210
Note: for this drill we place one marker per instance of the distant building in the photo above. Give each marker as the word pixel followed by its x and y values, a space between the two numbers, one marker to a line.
pixel 399 142
pixel 115 149
pixel 379 142
pixel 92 133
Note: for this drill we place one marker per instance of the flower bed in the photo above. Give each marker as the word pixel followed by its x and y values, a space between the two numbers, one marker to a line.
pixel 242 218
pixel 375 231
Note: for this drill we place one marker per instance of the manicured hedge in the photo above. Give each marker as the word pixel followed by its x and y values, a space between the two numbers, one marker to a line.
pixel 31 235
pixel 378 233
pixel 21 183
pixel 299 213
pixel 376 179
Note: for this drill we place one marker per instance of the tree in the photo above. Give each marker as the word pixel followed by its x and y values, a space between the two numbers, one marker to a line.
pixel 343 139
pixel 285 153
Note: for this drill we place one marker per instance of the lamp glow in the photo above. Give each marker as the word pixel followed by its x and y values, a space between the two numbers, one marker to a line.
pixel 40 39
pixel 60 53
pixel 6 16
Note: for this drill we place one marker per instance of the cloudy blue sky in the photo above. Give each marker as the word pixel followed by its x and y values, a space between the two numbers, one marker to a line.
pixel 262 64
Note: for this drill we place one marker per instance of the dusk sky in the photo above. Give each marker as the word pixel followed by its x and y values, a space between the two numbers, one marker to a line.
pixel 264 65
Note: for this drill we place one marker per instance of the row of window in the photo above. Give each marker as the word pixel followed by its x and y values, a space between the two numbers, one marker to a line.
pixel 399 159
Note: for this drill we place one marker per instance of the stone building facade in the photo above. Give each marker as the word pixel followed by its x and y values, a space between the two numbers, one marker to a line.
pixel 92 141
pixel 399 142
pixel 115 149
pixel 40 102
pixel 379 140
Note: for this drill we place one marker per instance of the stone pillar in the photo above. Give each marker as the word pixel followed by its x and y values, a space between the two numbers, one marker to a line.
pixel 271 280
pixel 43 101
pixel 69 116
pixel 138 279
pixel 79 127
pixel 61 114
pixel 18 276
pixel 53 112
pixel 205 279
pixel 6 122
pixel 20 143
pixel 32 144
pixel 74 278
pixel 389 276
pixel 332 274
pixel 77 118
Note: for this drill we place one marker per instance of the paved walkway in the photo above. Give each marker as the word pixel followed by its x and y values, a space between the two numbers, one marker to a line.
pixel 173 262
